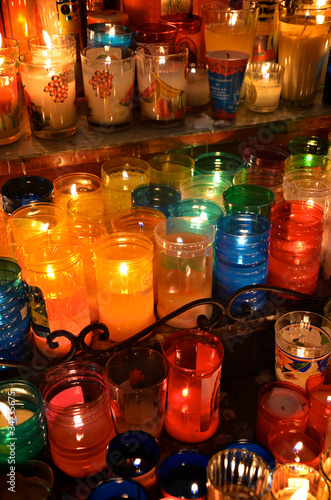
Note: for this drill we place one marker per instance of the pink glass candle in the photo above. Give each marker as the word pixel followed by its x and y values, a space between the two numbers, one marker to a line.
pixel 296 442
pixel 195 361
pixel 52 268
pixel 318 388
pixel 279 402
pixel 79 422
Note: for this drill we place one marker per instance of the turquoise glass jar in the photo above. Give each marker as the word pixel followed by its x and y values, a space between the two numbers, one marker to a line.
pixel 224 165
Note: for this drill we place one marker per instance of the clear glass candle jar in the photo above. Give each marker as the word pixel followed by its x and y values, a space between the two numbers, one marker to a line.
pixel 300 480
pixel 184 268
pixel 171 169
pixel 79 422
pixel 124 274
pixel 52 269
pixel 22 424
pixel 205 186
pixel 295 245
pixel 75 184
pixel 15 338
pixel 25 189
pixel 224 165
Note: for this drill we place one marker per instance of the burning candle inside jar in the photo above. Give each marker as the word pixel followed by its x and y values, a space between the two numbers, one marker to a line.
pixel 263 85
pixel 198 94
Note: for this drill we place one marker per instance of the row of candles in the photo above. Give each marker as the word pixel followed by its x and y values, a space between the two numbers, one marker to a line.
pixel 95 419
pixel 165 88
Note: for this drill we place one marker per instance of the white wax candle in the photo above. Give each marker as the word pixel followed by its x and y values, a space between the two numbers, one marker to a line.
pixel 284 403
pixel 198 93
pixel 262 94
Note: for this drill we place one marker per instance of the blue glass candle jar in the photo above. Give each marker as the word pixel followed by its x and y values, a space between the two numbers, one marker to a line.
pixel 242 258
pixel 15 337
pixel 25 189
pixel 259 449
pixel 22 424
pixel 101 34
pixel 224 165
pixel 157 196
pixel 115 489
pixel 183 475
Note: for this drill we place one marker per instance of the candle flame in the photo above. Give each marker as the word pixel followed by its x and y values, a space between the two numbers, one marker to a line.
pixel 73 190
pixel 125 175
pixel 141 225
pixel 194 488
pixel 112 31
pixel 137 462
pixel 108 59
pixel 44 227
pixel 48 40
pixel 193 71
pixel 328 399
pixel 78 422
pixel 297 448
pixel 162 59
pixel 123 269
pixel 185 392
pixel 233 18
pixel 300 494
pixel 319 19
pixel 5 410
pixel 180 240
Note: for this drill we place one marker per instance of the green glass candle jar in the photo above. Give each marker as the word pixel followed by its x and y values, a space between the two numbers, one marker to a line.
pixel 308 144
pixel 22 424
pixel 249 198
pixel 307 162
pixel 224 165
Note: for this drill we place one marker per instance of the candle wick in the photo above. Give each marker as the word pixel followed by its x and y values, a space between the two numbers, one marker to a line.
pixel 283 407
pixel 228 56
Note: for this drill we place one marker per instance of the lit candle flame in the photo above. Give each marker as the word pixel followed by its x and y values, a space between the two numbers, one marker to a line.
pixel 185 392
pixel 297 448
pixel 123 269
pixel 44 227
pixel 265 73
pixel 319 19
pixel 73 190
pixel 328 399
pixel 48 40
pixel 194 488
pixel 180 240
pixel 141 225
pixel 137 462
pixel 112 31
pixel 125 175
pixel 162 59
pixel 233 18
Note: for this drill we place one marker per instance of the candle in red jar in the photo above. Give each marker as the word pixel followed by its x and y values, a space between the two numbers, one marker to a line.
pixel 318 388
pixel 277 402
pixel 296 442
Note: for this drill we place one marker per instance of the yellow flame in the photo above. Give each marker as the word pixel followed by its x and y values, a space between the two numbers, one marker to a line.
pixel 112 31
pixel 233 18
pixel 47 39
pixel 73 190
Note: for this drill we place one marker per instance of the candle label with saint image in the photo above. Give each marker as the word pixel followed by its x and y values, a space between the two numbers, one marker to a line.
pixel 161 100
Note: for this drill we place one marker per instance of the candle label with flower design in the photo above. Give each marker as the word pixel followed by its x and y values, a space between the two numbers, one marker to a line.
pixel 58 86
pixel 101 83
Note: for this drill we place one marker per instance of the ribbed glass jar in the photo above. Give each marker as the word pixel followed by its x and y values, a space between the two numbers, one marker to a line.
pixel 224 165
pixel 25 189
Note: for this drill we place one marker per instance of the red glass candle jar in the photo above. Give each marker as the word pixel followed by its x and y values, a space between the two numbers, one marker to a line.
pixel 279 402
pixel 79 422
pixel 318 388
pixel 295 245
pixel 153 33
pixel 189 34
pixel 195 361
pixel 296 442
pixel 265 155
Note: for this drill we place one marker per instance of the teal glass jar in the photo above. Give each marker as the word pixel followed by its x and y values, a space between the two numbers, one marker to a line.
pixel 249 198
pixel 199 208
pixel 308 144
pixel 224 165
pixel 22 424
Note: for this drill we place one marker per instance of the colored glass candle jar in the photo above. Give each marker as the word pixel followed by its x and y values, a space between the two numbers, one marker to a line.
pixel 296 481
pixel 138 384
pixel 124 273
pixel 242 258
pixel 142 220
pixel 6 249
pixel 15 338
pixel 237 473
pixel 314 187
pixel 223 165
pixel 254 447
pixel 295 245
pixel 32 479
pixel 107 16
pixel 265 155
pixel 153 33
pixel 162 83
pixel 189 33
pixel 205 186
pixel 183 475
pixel 108 78
pixel 10 130
pixel 296 442
pixel 303 344
pixel 325 465
pixel 279 402
pixel 121 175
pixel 271 179
pixel 171 169
pixel 79 422
pixel 249 198
pixel 139 454
pixel 184 268
pixel 307 161
pixel 25 189
pixel 21 416
pixel 52 269
pixel 195 362
pixel 101 34
pixel 73 184
pixel 198 208
pixel 114 489
pixel 308 144
pixel 159 196
pixel 318 388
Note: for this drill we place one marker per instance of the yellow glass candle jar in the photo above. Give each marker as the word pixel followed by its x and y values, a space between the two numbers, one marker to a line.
pixel 124 271
pixel 52 268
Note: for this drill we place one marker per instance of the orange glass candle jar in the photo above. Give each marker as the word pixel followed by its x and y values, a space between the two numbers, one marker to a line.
pixel 195 361
pixel 52 268
pixel 75 184
pixel 279 402
pixel 79 422
pixel 124 273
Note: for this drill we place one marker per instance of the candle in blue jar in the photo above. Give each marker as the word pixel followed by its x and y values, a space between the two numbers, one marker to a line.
pixel 101 34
